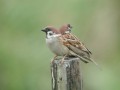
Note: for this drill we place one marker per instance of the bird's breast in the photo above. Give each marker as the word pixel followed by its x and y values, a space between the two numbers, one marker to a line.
pixel 56 46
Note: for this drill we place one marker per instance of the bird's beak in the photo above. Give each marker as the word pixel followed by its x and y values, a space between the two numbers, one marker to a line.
pixel 43 30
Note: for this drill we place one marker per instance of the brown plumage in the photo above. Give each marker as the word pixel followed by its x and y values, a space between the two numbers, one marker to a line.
pixel 64 43
pixel 74 44
pixel 72 39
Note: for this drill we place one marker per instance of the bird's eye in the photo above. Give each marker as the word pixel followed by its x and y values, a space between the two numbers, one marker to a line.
pixel 48 29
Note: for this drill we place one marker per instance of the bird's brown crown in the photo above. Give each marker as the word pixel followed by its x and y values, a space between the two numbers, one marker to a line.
pixel 51 28
pixel 64 28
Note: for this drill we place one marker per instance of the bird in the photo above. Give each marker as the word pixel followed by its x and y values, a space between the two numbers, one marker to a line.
pixel 55 43
pixel 62 43
pixel 75 45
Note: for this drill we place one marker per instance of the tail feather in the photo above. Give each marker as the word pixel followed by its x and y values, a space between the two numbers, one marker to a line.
pixel 83 59
pixel 95 63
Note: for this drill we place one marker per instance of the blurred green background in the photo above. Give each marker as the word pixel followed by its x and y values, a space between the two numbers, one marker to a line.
pixel 25 58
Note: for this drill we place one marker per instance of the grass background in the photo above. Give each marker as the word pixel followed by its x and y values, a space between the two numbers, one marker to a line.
pixel 25 58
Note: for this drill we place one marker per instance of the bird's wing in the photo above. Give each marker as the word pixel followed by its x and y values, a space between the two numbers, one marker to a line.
pixel 74 41
pixel 83 47
pixel 73 50
pixel 74 44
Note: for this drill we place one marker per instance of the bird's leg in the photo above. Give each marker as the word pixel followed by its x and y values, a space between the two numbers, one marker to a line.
pixel 53 58
pixel 63 59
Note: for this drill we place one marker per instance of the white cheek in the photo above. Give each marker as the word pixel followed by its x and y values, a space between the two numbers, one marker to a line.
pixel 49 36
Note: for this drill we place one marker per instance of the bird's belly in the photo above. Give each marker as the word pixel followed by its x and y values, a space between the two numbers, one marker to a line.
pixel 56 47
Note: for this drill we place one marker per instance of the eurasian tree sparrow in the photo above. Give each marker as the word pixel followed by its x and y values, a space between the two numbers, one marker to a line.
pixel 62 43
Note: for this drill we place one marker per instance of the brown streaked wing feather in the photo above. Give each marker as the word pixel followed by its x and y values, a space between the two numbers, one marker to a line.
pixel 74 41
pixel 63 41
pixel 70 44
pixel 83 54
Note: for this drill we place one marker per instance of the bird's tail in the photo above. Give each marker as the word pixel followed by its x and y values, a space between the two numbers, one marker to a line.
pixel 85 60
pixel 95 63
pixel 82 59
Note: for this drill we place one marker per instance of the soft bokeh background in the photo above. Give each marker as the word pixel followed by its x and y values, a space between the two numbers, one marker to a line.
pixel 25 58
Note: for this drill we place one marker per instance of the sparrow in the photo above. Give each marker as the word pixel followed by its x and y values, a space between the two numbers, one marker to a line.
pixel 62 43
pixel 55 43
pixel 75 45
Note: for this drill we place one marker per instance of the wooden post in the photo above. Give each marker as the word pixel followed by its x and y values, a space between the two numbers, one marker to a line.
pixel 66 76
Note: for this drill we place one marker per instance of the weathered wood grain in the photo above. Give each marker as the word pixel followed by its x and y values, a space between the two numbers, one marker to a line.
pixel 66 76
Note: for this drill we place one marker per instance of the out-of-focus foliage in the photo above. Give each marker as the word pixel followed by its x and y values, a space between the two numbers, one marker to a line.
pixel 25 58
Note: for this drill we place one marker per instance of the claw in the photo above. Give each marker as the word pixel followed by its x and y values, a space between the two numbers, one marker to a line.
pixel 53 59
pixel 62 61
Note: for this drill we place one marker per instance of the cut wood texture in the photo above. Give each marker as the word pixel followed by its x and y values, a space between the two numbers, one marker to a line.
pixel 66 75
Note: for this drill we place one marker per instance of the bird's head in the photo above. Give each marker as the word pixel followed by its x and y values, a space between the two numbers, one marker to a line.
pixel 50 31
pixel 66 28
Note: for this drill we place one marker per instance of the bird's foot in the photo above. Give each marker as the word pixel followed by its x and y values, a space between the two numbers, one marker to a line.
pixel 62 60
pixel 52 60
